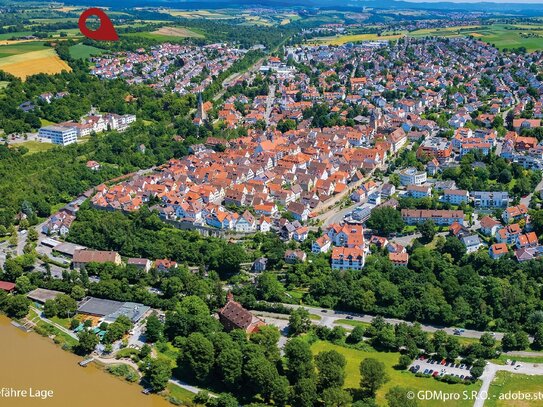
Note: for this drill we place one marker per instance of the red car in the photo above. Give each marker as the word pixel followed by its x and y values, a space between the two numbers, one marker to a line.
pixel 435 374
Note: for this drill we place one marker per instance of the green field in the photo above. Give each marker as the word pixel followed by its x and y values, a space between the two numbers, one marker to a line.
pixel 7 36
pixel 397 377
pixel 499 35
pixel 506 382
pixel 22 48
pixel 35 146
pixel 82 51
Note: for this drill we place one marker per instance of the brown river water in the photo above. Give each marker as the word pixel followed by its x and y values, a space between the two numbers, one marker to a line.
pixel 31 363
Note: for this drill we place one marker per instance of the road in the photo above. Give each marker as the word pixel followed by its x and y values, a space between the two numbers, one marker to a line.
pixel 490 372
pixel 269 104
pixel 329 318
pixel 526 200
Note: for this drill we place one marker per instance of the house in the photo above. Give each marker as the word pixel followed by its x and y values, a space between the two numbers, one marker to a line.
pixel 7 287
pixel 498 250
pixel 455 196
pixel 458 230
pixel 527 240
pixel 387 190
pixel 417 192
pixel 300 234
pixel 472 243
pixel 432 167
pixel 491 199
pixel 83 257
pixel 346 258
pixel 165 264
pixel 142 264
pixel 399 259
pixel 508 234
pixel 299 211
pixel 295 256
pixel 321 245
pixel 246 223
pixel 514 213
pixel 93 165
pixel 528 253
pixel 260 264
pixel 439 217
pixel 234 316
pixel 489 226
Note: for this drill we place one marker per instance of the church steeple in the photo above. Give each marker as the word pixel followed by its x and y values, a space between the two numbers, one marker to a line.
pixel 201 113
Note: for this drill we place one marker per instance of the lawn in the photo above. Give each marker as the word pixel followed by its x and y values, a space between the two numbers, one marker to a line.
pixel 397 377
pixel 506 382
pixel 35 146
pixel 526 359
pixel 353 323
pixel 64 322
pixel 82 51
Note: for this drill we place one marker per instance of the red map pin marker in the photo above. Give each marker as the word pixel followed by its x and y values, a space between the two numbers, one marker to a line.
pixel 106 31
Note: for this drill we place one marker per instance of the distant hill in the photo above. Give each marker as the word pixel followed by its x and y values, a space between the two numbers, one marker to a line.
pixel 520 8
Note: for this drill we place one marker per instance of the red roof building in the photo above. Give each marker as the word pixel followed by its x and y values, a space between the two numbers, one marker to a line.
pixel 234 316
pixel 7 286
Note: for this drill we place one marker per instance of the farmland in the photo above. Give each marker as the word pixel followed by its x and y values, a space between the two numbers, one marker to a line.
pixel 82 51
pixel 502 36
pixel 176 32
pixel 33 62
pixel 397 377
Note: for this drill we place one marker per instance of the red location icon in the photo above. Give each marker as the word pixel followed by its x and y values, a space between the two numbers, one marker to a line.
pixel 106 31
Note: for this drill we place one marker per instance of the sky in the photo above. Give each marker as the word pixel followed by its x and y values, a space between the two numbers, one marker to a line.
pixel 479 1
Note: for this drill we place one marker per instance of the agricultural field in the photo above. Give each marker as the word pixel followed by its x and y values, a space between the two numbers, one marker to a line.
pixel 30 63
pixel 506 382
pixel 82 51
pixel 343 39
pixel 180 32
pixel 211 15
pixel 397 377
pixel 18 49
pixel 500 35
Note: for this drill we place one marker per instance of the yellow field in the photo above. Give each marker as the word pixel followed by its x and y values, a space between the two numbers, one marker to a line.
pixel 196 14
pixel 343 39
pixel 177 32
pixel 31 63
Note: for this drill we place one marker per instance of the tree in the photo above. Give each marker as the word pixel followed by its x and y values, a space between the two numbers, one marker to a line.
pixel 404 362
pixel 299 321
pixel 224 400
pixel 299 359
pixel 454 247
pixel 66 306
pixel 373 375
pixel 427 231
pixel 154 329
pixel 336 397
pixel 478 368
pixel 331 369
pixel 262 378
pixel 397 397
pixel 229 365
pixel 158 373
pixel 538 338
pixel 199 356
pixel 385 220
pixel 50 308
pixel 17 306
pixel 77 293
pixel 23 284
pixel 87 342
pixel 356 335
pixel 266 338
pixel 304 393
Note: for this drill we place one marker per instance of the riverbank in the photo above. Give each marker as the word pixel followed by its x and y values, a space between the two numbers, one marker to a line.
pixel 34 361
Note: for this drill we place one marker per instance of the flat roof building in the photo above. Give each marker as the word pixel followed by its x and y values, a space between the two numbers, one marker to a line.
pixel 59 134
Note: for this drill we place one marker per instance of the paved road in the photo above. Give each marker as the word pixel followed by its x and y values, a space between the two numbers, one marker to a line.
pixel 329 317
pixel 269 103
pixel 490 372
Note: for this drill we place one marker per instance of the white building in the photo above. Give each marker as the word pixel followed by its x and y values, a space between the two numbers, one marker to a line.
pixel 59 135
pixel 411 176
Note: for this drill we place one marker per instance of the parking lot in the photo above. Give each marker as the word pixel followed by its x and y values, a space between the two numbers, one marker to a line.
pixel 439 368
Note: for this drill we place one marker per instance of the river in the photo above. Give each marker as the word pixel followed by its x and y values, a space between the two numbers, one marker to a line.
pixel 35 364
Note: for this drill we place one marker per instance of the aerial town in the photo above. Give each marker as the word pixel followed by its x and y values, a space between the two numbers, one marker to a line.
pixel 283 207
